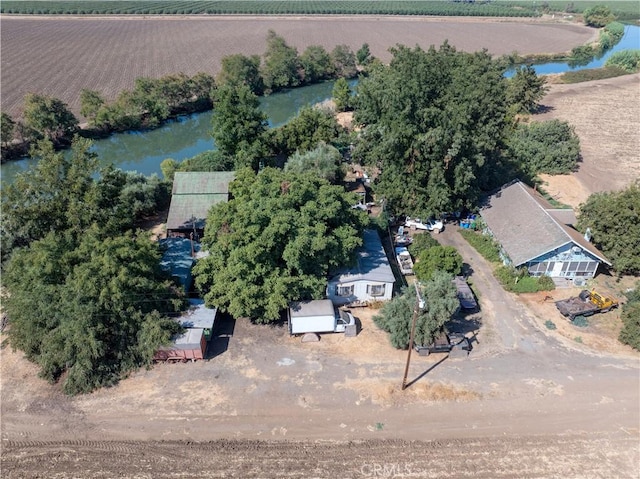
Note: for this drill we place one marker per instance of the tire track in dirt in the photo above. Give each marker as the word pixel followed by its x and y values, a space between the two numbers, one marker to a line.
pixel 537 456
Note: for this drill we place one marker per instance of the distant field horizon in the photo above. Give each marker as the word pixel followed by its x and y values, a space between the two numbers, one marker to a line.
pixel 60 56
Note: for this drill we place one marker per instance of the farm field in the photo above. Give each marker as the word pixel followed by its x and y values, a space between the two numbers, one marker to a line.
pixel 60 56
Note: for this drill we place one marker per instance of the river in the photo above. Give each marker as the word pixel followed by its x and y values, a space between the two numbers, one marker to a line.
pixel 187 136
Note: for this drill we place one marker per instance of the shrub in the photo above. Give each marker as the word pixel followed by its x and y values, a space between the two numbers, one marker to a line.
pixel 550 325
pixel 628 60
pixel 483 244
pixel 438 258
pixel 519 281
pixel 630 317
pixel 545 283
pixel 422 242
pixel 580 321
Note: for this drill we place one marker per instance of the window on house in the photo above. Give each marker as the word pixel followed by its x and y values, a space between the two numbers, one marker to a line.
pixel 344 290
pixel 375 289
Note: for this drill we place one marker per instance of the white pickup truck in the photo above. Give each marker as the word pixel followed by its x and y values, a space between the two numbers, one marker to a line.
pixel 430 225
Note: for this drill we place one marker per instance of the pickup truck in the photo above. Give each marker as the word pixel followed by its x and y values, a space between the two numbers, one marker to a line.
pixel 430 225
pixel 585 304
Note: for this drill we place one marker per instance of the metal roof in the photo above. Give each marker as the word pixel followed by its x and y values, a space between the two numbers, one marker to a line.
pixel 185 210
pixel 372 262
pixel 198 315
pixel 316 307
pixel 177 259
pixel 523 223
pixel 189 339
pixel 202 182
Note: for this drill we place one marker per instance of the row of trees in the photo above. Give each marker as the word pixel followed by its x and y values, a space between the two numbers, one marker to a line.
pixel 86 299
pixel 282 67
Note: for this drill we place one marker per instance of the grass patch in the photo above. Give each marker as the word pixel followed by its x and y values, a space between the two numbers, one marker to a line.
pixel 483 244
pixel 589 74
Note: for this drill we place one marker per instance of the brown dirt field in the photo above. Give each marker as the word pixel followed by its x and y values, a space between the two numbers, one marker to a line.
pixel 606 118
pixel 60 56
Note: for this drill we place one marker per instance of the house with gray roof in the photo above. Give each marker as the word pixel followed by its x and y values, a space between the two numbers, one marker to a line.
pixel 534 234
pixel 370 279
pixel 193 195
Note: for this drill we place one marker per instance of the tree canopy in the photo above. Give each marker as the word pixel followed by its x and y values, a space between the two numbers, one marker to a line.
pixel 281 64
pixel 240 69
pixel 49 118
pixel 614 221
pixel 324 161
pixel 438 258
pixel 598 16
pixel 434 122
pixel 550 147
pixel 275 242
pixel 238 123
pixel 440 303
pixel 86 298
pixel 525 89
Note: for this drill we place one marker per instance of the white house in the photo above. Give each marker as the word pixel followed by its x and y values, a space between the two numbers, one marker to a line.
pixel 371 279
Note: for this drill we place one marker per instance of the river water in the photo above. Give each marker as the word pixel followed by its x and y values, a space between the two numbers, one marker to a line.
pixel 190 135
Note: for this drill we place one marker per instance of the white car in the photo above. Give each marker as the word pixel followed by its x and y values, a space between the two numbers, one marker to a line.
pixel 430 225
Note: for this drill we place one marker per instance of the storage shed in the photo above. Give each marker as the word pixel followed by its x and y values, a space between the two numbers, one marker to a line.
pixel 198 316
pixel 371 279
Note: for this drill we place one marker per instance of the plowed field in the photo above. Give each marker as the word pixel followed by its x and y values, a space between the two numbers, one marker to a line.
pixel 61 56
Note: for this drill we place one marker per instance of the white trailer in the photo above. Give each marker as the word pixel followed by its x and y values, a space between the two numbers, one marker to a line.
pixel 318 316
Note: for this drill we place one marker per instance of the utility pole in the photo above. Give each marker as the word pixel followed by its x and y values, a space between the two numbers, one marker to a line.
pixel 416 309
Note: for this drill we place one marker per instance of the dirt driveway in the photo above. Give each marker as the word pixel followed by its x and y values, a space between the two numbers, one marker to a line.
pixel 525 400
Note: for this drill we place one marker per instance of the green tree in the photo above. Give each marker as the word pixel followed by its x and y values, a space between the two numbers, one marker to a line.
pixel 630 317
pixel 94 312
pixel 7 129
pixel 525 89
pixel 344 62
pixel 275 242
pixel 281 64
pixel 316 64
pixel 240 69
pixel 550 147
pixel 169 166
pixel 440 303
pixel 324 161
pixel 363 55
pixel 213 160
pixel 49 197
pixel 598 16
pixel 433 122
pixel 238 123
pixel 438 258
pixel 341 95
pixel 628 60
pixel 90 104
pixel 49 117
pixel 614 221
pixel 305 132
pixel 422 242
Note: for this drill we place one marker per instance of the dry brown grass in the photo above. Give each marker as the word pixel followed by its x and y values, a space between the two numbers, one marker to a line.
pixel 60 56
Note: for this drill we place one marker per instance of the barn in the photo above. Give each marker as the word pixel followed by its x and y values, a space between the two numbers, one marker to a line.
pixel 534 234
pixel 193 195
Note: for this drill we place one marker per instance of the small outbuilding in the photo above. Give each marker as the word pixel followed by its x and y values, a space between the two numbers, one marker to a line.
pixel 371 279
pixel 190 345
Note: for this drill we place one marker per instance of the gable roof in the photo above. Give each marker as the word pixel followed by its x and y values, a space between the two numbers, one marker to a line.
pixel 194 193
pixel 372 262
pixel 526 225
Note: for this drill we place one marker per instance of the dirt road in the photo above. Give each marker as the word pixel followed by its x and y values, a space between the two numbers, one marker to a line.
pixel 526 403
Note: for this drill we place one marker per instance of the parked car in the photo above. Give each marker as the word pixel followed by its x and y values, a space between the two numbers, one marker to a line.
pixel 468 302
pixel 430 225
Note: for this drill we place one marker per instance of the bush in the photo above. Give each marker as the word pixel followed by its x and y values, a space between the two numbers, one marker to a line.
pixel 483 244
pixel 589 74
pixel 422 242
pixel 628 60
pixel 550 325
pixel 630 317
pixel 580 321
pixel 518 280
pixel 438 258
